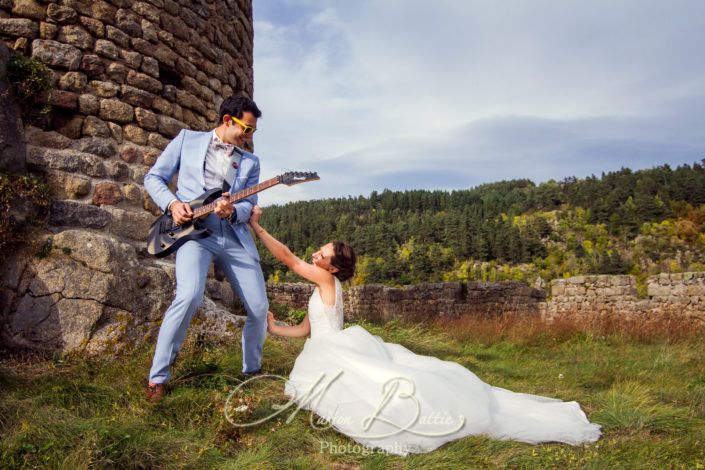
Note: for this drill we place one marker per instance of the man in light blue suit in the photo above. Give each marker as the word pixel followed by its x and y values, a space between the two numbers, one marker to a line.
pixel 204 161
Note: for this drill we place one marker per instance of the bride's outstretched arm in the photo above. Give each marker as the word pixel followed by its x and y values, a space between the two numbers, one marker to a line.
pixel 302 329
pixel 284 254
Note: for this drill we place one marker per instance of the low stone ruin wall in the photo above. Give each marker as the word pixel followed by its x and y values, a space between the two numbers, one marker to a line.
pixel 381 303
pixel 668 294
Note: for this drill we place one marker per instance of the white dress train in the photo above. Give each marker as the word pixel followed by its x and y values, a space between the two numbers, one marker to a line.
pixel 382 395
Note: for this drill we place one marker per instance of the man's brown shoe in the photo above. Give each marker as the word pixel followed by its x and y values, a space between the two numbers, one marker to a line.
pixel 155 392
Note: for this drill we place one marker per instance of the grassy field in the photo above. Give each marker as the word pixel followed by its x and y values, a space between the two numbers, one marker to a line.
pixel 645 384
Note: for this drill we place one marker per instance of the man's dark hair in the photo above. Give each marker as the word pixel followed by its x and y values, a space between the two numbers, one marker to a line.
pixel 236 106
pixel 344 259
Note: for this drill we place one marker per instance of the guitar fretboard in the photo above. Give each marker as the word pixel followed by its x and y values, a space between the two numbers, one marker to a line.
pixel 245 193
pixel 233 198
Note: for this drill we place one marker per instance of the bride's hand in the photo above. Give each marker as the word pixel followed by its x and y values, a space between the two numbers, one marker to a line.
pixel 270 321
pixel 255 215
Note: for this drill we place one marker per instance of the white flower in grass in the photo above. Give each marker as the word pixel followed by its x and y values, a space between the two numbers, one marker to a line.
pixel 560 376
pixel 241 408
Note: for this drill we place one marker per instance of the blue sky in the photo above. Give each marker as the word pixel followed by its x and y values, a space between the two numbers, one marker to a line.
pixel 410 94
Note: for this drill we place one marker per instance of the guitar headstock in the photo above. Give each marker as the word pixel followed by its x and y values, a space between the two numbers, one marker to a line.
pixel 291 178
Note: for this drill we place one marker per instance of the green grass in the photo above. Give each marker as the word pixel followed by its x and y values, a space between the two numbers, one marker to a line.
pixel 647 391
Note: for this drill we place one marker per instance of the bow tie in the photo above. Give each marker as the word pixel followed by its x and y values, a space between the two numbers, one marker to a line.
pixel 221 146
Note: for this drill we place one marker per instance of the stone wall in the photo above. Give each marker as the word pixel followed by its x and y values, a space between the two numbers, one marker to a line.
pixel 668 294
pixel 419 302
pixel 127 77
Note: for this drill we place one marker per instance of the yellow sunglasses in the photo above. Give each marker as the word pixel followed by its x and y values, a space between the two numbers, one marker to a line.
pixel 245 128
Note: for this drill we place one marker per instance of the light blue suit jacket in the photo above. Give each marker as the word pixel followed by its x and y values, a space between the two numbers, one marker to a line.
pixel 186 154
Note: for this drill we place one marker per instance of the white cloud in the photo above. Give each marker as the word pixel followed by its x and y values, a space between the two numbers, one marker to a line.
pixel 450 94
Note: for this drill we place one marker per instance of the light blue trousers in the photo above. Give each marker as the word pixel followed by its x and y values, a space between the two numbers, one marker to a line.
pixel 244 273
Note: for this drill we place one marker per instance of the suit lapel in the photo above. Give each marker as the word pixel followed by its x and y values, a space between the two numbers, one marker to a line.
pixel 233 167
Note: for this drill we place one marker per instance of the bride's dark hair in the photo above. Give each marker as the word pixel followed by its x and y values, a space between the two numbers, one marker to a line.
pixel 344 259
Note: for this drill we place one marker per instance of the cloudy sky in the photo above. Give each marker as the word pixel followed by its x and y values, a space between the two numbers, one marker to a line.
pixel 449 94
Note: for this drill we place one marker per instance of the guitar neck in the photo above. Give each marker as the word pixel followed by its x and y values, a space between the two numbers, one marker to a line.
pixel 233 198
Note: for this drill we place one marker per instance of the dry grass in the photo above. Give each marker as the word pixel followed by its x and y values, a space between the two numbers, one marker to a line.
pixel 523 330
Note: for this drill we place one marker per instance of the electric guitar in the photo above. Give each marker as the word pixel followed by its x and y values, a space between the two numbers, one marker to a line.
pixel 165 237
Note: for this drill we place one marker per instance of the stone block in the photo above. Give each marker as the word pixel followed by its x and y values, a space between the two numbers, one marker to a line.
pixel 117 170
pixel 129 223
pixel 133 193
pixel 28 9
pixel 77 214
pixel 115 131
pixel 19 27
pixel 162 106
pixel 166 37
pixel 129 22
pixel 170 127
pixel 144 82
pixel 92 65
pixel 95 27
pixel 47 30
pixel 146 119
pixel 106 48
pixel 67 160
pixel 117 36
pixel 149 205
pixel 67 186
pixel 31 312
pixel 117 72
pixel 138 172
pixel 176 26
pixel 51 139
pixel 103 147
pixel 150 66
pixel 88 104
pixel 135 134
pixel 695 290
pixel 129 153
pixel 65 99
pixel 116 110
pixel 186 99
pixel 149 31
pixel 157 141
pixel 185 67
pixel 147 11
pixel 97 9
pixel 107 194
pixel 132 59
pixel 55 54
pixel 73 81
pixel 150 156
pixel 137 97
pixel 75 35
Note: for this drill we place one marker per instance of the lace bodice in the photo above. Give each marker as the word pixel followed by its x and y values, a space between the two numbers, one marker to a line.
pixel 325 319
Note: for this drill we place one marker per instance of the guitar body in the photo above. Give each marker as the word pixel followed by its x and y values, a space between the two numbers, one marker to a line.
pixel 165 237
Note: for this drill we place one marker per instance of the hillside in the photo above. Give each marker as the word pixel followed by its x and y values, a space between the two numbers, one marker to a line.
pixel 623 222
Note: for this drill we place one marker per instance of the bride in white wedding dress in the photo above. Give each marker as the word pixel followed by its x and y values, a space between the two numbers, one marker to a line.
pixel 383 395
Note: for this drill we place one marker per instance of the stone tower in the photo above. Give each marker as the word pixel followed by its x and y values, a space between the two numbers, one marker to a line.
pixel 127 77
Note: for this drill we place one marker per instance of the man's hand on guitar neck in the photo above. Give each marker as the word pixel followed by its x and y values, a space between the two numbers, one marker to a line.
pixel 223 208
pixel 181 212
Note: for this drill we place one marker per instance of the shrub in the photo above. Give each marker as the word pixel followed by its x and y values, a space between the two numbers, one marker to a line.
pixel 24 203
pixel 31 84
